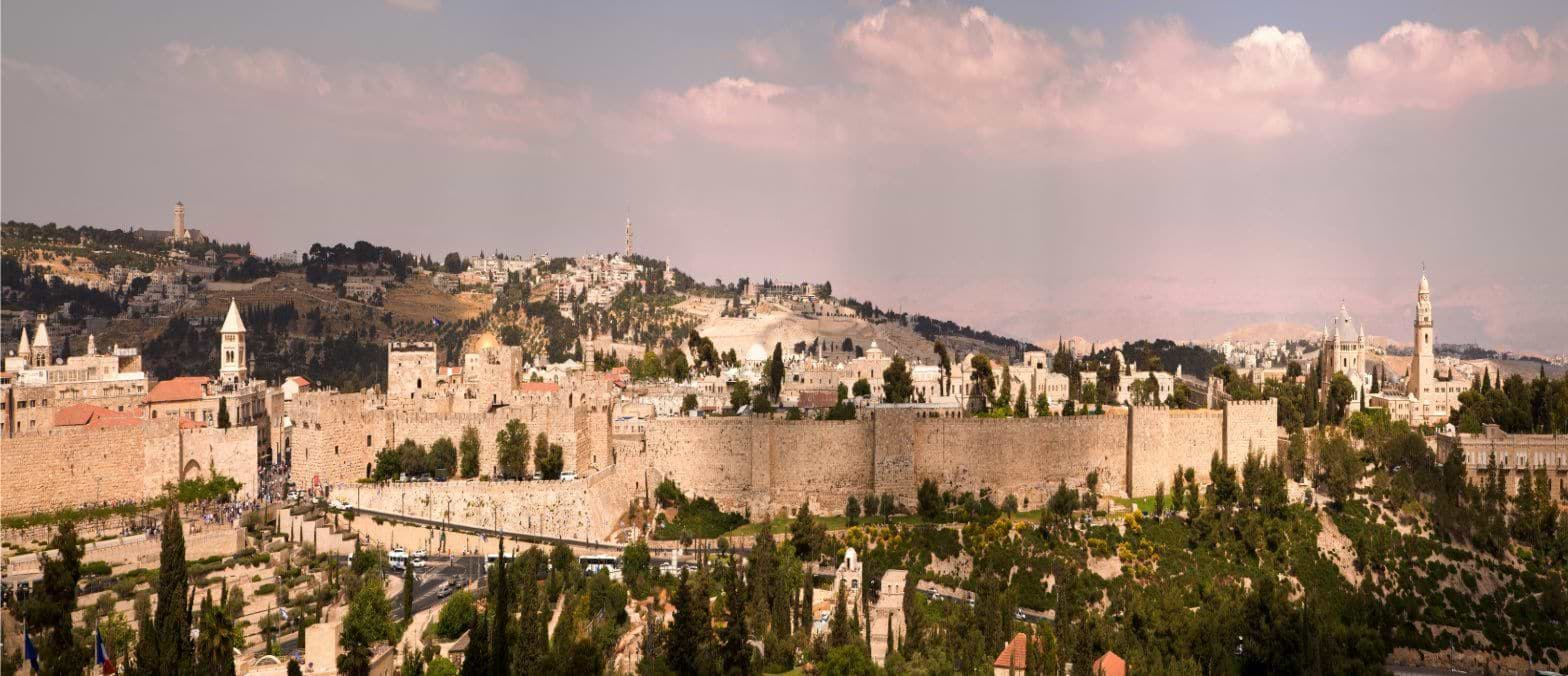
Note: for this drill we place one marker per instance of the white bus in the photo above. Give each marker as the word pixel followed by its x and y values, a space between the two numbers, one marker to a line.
pixel 398 558
pixel 593 563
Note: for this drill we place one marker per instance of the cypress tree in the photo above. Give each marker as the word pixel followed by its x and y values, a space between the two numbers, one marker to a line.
pixel 165 647
pixel 737 652
pixel 476 662
pixel 48 610
pixel 690 632
pixel 501 611
pixel 408 593
pixel 223 413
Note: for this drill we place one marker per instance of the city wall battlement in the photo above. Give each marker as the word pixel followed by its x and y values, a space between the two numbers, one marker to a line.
pixel 763 466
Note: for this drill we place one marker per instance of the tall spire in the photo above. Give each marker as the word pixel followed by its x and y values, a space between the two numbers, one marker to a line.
pixel 628 236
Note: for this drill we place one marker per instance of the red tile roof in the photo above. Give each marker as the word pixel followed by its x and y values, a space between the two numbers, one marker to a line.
pixel 1015 654
pixel 301 381
pixel 1110 664
pixel 539 387
pixel 88 415
pixel 183 388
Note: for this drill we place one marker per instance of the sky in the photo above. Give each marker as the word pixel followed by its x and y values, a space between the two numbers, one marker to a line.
pixel 1106 170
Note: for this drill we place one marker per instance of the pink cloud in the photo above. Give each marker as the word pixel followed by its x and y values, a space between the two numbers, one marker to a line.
pixel 47 78
pixel 1418 65
pixel 744 113
pixel 942 73
pixel 488 103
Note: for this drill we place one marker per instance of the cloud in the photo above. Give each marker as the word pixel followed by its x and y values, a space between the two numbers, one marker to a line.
pixel 489 102
pixel 415 5
pixel 1418 65
pixel 47 78
pixel 743 113
pixel 962 76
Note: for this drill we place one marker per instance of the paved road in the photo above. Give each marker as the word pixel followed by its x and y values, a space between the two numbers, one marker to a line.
pixel 427 589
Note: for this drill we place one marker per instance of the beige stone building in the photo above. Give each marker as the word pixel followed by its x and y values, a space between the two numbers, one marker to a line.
pixel 34 384
pixel 1429 395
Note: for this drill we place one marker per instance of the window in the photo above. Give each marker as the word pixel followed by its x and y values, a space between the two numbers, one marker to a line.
pixel 367 441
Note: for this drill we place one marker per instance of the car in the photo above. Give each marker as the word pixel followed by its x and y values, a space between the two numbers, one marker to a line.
pixel 568 476
pixel 446 589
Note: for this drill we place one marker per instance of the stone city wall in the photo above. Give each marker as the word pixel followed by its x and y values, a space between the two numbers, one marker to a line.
pixel 1027 458
pixel 74 466
pixel 1250 427
pixel 69 467
pixel 769 466
pixel 1161 440
pixel 336 436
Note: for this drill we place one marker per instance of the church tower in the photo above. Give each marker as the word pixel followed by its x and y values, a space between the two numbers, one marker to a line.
pixel 232 367
pixel 42 350
pixel 179 221
pixel 1423 363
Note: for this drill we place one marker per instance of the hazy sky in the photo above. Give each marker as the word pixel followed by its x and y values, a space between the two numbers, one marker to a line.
pixel 1101 169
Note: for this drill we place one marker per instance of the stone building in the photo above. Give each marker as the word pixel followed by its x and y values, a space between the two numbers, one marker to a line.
pixel 34 384
pixel 887 616
pixel 1429 396
pixel 1345 351
pixel 1518 456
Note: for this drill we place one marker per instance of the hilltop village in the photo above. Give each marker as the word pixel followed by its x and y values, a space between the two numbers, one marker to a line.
pixel 614 409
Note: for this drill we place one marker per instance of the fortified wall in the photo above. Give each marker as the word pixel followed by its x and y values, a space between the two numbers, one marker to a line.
pixel 336 436
pixel 77 466
pixel 769 466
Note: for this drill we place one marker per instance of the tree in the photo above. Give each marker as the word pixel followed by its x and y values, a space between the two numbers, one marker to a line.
pixel 223 413
pixel 457 615
pixel 1339 467
pixel 1296 455
pixel 408 593
pixel 1159 499
pixel 636 564
pixel 862 388
pixel 1222 479
pixel 982 390
pixel 839 632
pixel 740 396
pixel 453 262
pixel 688 403
pixel 511 445
pixel 735 650
pixel 808 536
pixel 1092 483
pixel 1340 393
pixel 1192 493
pixel 776 372
pixel 690 633
pixel 48 609
pixel 1021 403
pixel 944 364
pixel 215 637
pixel 1178 491
pixel 368 622
pixel 470 452
pixel 898 386
pixel 928 501
pixel 443 457
pixel 165 647
pixel 852 511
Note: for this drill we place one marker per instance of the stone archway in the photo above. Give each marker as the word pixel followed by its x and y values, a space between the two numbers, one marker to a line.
pixel 191 470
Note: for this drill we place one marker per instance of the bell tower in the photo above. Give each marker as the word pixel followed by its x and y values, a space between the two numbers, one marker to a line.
pixel 233 361
pixel 1422 364
pixel 179 221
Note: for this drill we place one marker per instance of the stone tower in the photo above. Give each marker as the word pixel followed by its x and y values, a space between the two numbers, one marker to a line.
pixel 179 221
pixel 42 351
pixel 1423 362
pixel 628 236
pixel 232 366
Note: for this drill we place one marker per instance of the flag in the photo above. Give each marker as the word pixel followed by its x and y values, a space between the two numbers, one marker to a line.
pixel 101 654
pixel 436 322
pixel 29 650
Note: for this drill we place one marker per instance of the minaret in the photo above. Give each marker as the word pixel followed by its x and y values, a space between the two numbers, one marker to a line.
pixel 233 366
pixel 92 345
pixel 628 236
pixel 179 221
pixel 1422 363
